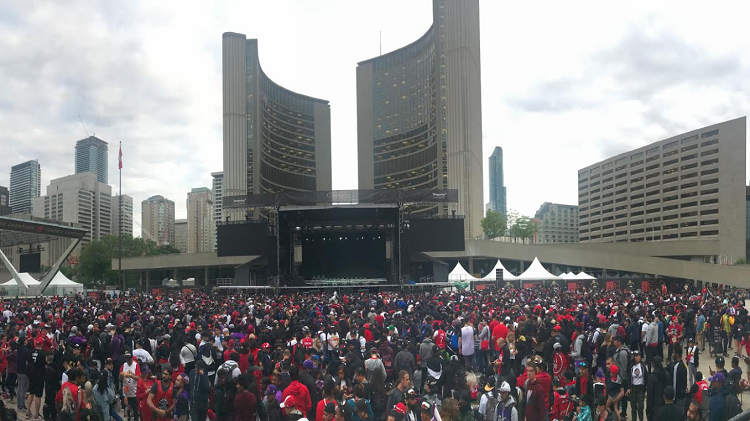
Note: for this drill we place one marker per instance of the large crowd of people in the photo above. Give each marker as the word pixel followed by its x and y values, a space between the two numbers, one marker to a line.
pixel 491 355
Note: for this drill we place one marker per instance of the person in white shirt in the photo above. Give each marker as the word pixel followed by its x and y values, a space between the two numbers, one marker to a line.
pixel 638 373
pixel 141 354
pixel 130 372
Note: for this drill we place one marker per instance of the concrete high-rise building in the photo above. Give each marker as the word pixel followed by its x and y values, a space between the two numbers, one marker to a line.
pixel 419 113
pixel 79 199
pixel 200 210
pixel 557 223
pixel 181 235
pixel 498 201
pixel 127 215
pixel 4 201
pixel 688 187
pixel 274 139
pixel 91 156
pixel 217 189
pixel 25 185
pixel 157 220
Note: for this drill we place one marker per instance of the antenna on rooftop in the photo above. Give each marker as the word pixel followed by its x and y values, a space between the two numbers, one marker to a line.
pixel 84 126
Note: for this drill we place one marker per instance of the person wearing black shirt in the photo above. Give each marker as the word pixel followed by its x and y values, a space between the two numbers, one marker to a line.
pixel 670 411
pixel 51 386
pixel 36 371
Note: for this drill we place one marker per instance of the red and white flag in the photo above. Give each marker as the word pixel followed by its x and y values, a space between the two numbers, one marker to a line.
pixel 120 157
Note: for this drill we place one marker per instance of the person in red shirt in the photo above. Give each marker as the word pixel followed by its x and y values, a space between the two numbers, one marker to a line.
pixel 536 398
pixel 500 331
pixel 298 391
pixel 559 363
pixel 245 403
pixel 439 336
pixel 674 333
pixel 76 378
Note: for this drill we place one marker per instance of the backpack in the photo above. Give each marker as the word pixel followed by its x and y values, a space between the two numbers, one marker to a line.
pixel 490 410
pixel 226 369
pixel 732 407
pixel 630 360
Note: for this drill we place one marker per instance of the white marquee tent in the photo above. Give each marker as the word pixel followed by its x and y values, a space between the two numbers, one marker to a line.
pixel 459 274
pixel 537 272
pixel 567 276
pixel 61 285
pixel 507 275
pixel 583 277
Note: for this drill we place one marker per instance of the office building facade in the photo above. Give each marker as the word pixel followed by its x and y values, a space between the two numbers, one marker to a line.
pixel 78 199
pixel 687 187
pixel 200 211
pixel 91 156
pixel 419 114
pixel 217 188
pixel 498 201
pixel 4 201
pixel 127 215
pixel 274 139
pixel 181 235
pixel 25 186
pixel 157 220
pixel 556 223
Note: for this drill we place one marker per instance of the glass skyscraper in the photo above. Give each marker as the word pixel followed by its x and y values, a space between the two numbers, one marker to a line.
pixel 498 201
pixel 91 156
pixel 419 114
pixel 25 185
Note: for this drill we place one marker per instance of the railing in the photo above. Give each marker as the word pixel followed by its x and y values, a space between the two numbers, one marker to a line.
pixel 224 282
pixel 744 416
pixel 345 281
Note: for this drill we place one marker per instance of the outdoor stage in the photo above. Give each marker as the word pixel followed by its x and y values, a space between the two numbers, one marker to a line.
pixel 374 242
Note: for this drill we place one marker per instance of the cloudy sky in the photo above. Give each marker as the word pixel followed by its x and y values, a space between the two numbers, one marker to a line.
pixel 563 84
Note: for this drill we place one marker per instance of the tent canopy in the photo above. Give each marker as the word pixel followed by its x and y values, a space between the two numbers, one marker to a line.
pixel 459 274
pixel 537 272
pixel 566 276
pixel 584 276
pixel 26 278
pixel 63 280
pixel 492 275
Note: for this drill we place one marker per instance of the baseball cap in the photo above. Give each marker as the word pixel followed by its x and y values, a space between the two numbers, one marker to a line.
pixel 400 408
pixel 288 402
pixel 266 345
pixel 271 390
pixel 718 377
pixel 308 364
pixel 719 361
pixel 426 406
pixel 412 394
pixel 557 345
pixel 490 384
pixel 505 387
pixel 614 370
pixel 330 408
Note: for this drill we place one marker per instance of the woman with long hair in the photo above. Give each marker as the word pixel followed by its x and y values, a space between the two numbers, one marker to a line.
pixel 603 350
pixel 104 398
pixel 449 410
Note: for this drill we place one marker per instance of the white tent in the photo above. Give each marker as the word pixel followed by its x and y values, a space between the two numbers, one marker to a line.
pixel 583 276
pixel 26 278
pixel 537 272
pixel 507 275
pixel 566 276
pixel 61 285
pixel 459 274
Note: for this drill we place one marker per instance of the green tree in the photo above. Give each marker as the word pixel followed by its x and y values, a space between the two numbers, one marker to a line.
pixel 523 227
pixel 494 224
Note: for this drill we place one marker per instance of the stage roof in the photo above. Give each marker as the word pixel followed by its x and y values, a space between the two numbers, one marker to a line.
pixel 25 229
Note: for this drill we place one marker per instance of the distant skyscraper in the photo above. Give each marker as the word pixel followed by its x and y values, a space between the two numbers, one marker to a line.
pixel 4 201
pixel 497 182
pixel 217 189
pixel 25 185
pixel 419 113
pixel 80 199
pixel 157 220
pixel 181 235
pixel 274 139
pixel 127 215
pixel 200 218
pixel 91 156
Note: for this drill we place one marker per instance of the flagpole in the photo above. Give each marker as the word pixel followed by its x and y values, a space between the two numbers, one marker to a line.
pixel 119 227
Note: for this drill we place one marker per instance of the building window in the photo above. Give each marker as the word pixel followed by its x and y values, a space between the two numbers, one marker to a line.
pixel 709 134
pixel 671 145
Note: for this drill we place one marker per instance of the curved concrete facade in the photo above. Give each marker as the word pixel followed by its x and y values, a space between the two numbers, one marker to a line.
pixel 419 113
pixel 274 139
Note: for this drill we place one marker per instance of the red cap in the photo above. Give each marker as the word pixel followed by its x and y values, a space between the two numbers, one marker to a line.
pixel 266 345
pixel 614 370
pixel 400 408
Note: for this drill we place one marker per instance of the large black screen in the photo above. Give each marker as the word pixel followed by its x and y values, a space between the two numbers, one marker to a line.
pixel 438 234
pixel 248 239
pixel 31 263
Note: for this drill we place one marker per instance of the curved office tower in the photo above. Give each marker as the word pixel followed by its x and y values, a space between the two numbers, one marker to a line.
pixel 419 113
pixel 274 139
